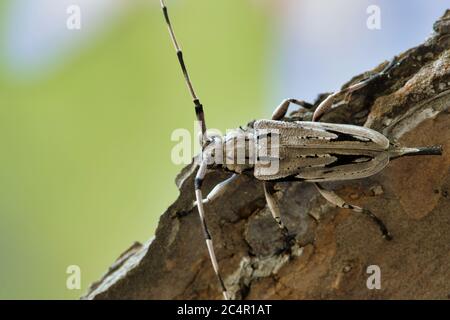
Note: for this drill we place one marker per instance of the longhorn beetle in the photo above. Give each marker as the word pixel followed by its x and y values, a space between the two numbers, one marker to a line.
pixel 308 151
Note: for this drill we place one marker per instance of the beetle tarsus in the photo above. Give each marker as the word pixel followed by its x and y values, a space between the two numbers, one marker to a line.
pixel 289 240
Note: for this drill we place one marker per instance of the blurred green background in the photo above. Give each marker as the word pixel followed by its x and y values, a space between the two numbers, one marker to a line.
pixel 85 165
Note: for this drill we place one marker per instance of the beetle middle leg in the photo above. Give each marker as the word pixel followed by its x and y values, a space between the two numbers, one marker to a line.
pixel 274 208
pixel 333 198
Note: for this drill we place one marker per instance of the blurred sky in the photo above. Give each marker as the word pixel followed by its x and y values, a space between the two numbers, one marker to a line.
pixel 35 41
pixel 319 45
pixel 86 115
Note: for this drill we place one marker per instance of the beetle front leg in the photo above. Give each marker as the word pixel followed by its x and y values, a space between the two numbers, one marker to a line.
pixel 333 198
pixel 219 189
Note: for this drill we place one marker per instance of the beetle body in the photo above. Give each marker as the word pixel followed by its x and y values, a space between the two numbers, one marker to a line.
pixel 307 151
pixel 314 151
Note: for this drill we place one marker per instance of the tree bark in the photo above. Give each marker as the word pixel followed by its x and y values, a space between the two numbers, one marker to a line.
pixel 334 246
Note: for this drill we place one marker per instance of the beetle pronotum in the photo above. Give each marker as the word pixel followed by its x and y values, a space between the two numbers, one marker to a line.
pixel 308 151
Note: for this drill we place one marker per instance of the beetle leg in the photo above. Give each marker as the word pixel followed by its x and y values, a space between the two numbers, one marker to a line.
pixel 324 107
pixel 272 203
pixel 275 210
pixel 327 104
pixel 373 77
pixel 282 109
pixel 219 189
pixel 333 198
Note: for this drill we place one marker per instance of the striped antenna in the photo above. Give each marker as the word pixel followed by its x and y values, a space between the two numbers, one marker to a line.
pixel 198 106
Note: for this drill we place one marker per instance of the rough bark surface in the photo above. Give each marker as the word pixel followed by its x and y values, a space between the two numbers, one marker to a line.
pixel 334 246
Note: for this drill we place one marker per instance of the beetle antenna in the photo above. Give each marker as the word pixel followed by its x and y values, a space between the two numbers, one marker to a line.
pixel 198 106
